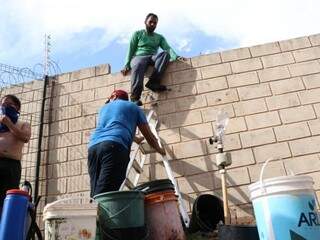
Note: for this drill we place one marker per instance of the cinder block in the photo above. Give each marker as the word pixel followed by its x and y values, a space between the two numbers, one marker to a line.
pixel 287 85
pixel 198 131
pixel 273 169
pixel 68 139
pixel 198 165
pixel 254 91
pixel 66 169
pixel 196 183
pixel 58 155
pixel 92 107
pixel 314 126
pixel 169 106
pixel 276 150
pixel 234 177
pixel 246 65
pixel 243 157
pixel 85 136
pixel 204 60
pixel 283 101
pixel 316 178
pixel 263 120
pixel 302 165
pixel 312 81
pixel 57 186
pixel 65 88
pixel 310 96
pixel 103 69
pixel 77 152
pixel 250 107
pixel 315 39
pixel 236 125
pixel 78 183
pixel 292 131
pixel 235 54
pixel 59 127
pixel 317 109
pixel 210 114
pixel 275 73
pixel 305 146
pixel 238 195
pixel 188 103
pixel 216 70
pixel 296 43
pixel 265 49
pixel 179 65
pixel 222 97
pixel 277 59
pixel 81 97
pixel 257 137
pixel 182 90
pixel 68 112
pixel 95 82
pixel 189 149
pixel 183 118
pixel 159 171
pixel 126 86
pixel 170 135
pixel 304 68
pixel 297 114
pixel 307 54
pixel 212 84
pixel 83 73
pixel 103 92
pixel 116 78
pixel 242 79
pixel 78 124
pixel 62 78
pixel 189 75
pixel 57 102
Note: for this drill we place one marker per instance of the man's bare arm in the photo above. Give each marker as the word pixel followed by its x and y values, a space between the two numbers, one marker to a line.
pixel 151 139
pixel 23 133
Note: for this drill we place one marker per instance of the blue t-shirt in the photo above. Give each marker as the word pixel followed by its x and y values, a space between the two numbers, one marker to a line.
pixel 117 122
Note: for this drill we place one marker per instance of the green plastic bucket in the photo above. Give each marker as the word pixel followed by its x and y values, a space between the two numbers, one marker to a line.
pixel 121 215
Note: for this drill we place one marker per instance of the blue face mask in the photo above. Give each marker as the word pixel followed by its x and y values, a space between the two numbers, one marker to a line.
pixel 11 113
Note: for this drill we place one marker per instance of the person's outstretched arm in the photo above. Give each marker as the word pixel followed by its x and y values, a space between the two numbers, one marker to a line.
pixel 151 139
pixel 131 51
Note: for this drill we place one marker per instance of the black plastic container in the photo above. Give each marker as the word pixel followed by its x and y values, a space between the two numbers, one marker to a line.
pixel 207 212
pixel 155 186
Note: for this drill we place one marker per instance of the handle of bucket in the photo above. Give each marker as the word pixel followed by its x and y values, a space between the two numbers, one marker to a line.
pixel 67 199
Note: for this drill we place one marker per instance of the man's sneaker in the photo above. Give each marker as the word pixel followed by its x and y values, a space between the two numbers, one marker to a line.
pixel 156 87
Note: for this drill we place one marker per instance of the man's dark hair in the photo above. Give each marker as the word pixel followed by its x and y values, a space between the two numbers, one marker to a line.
pixel 151 15
pixel 14 99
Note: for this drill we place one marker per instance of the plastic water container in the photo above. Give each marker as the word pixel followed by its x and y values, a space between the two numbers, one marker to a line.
pixel 71 218
pixel 14 220
pixel 285 207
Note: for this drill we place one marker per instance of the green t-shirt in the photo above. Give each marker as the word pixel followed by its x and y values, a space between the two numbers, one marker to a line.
pixel 142 44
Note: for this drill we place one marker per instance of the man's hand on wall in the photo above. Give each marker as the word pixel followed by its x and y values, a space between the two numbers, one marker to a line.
pixel 125 71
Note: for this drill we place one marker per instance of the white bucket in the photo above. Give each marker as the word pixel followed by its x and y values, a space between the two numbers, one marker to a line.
pixel 285 208
pixel 68 219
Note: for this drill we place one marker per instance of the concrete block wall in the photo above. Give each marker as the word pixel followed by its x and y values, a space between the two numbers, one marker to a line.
pixel 271 93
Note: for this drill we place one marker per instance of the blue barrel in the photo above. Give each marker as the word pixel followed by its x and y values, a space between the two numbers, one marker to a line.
pixel 14 218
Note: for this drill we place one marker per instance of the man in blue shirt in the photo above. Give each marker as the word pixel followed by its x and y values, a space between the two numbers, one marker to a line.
pixel 143 51
pixel 110 143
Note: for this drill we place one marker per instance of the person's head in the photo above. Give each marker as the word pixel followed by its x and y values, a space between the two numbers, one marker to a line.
pixel 119 94
pixel 151 22
pixel 11 101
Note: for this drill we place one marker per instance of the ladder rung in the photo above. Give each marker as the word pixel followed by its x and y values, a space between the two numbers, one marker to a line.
pixel 129 184
pixel 137 166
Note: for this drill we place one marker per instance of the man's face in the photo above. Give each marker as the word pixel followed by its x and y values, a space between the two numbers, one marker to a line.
pixel 8 102
pixel 151 24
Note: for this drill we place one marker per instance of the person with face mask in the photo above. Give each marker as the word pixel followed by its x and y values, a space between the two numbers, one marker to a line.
pixel 110 143
pixel 143 51
pixel 13 135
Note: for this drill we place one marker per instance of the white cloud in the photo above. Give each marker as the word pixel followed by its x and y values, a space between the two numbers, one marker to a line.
pixel 70 22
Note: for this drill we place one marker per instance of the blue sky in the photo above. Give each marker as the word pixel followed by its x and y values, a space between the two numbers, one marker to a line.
pixel 88 33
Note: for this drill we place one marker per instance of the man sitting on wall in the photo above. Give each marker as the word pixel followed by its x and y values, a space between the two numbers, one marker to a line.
pixel 13 135
pixel 143 51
